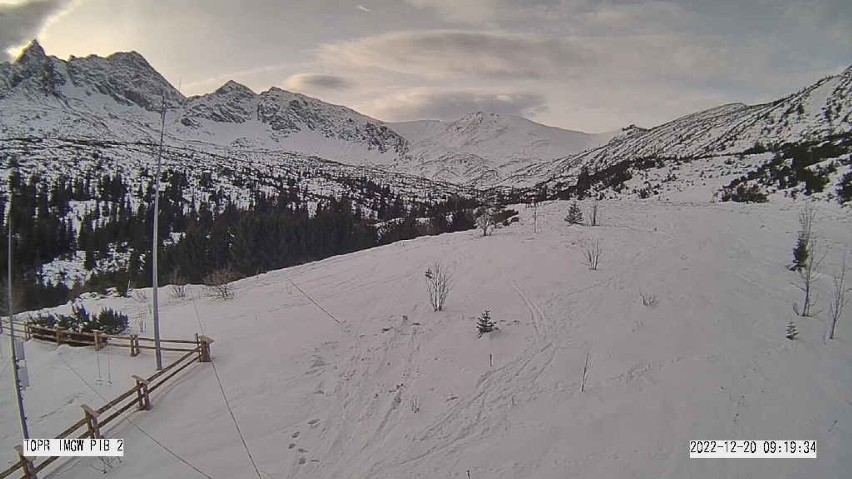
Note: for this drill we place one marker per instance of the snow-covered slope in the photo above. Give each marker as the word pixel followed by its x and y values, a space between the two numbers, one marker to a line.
pixel 396 390
pixel 485 148
pixel 815 112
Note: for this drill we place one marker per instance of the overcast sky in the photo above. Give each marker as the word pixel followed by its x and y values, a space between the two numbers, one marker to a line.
pixel 577 64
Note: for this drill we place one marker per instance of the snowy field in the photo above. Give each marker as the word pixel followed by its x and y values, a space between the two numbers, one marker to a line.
pixel 379 386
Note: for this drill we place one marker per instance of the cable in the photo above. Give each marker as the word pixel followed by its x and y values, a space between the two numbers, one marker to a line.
pixel 165 448
pixel 312 300
pixel 225 397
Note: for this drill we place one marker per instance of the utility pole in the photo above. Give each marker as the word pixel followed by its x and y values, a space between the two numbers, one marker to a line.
pixel 19 386
pixel 156 242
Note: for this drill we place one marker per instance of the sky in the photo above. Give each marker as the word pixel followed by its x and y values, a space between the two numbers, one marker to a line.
pixel 576 64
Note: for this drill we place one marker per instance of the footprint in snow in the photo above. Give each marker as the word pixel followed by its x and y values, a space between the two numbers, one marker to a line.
pixel 295 434
pixel 292 445
pixel 313 422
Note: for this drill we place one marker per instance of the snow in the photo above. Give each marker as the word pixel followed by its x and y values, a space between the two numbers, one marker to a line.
pixel 383 387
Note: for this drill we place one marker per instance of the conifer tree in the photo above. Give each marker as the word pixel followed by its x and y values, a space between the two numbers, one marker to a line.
pixel 792 332
pixel 575 214
pixel 484 324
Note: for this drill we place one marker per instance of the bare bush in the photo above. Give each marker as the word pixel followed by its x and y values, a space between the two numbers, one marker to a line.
pixel 838 298
pixel 484 220
pixel 140 295
pixel 593 214
pixel 218 284
pixel 177 288
pixel 808 275
pixel 648 300
pixel 592 255
pixel 438 279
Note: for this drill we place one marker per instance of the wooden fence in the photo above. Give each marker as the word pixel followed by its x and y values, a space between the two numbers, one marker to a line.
pixel 89 426
pixel 135 343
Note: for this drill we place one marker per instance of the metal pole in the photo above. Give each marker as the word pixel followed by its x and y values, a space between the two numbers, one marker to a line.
pixel 156 242
pixel 24 431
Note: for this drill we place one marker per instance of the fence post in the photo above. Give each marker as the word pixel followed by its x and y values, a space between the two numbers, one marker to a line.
pixel 58 335
pixel 27 333
pixel 92 422
pixel 142 393
pixel 204 349
pixel 96 334
pixel 134 345
pixel 26 464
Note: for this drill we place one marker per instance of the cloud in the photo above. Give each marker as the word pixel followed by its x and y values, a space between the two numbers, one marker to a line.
pixel 306 82
pixel 423 103
pixel 446 54
pixel 461 11
pixel 22 21
pixel 499 56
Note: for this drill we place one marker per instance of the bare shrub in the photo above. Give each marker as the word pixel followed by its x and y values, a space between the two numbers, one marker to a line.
pixel 218 284
pixel 808 275
pixel 592 255
pixel 648 300
pixel 838 298
pixel 140 295
pixel 484 220
pixel 438 278
pixel 177 288
pixel 593 214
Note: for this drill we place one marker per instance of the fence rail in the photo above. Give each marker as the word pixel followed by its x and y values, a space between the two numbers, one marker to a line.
pixel 28 330
pixel 95 419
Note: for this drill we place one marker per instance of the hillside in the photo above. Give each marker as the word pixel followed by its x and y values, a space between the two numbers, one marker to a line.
pixel 396 390
pixel 812 115
pixel 485 148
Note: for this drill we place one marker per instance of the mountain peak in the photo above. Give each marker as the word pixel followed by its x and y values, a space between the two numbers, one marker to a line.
pixel 232 87
pixel 32 53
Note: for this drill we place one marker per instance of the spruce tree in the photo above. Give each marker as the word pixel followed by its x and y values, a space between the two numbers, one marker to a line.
pixel 575 215
pixel 484 324
pixel 792 332
pixel 800 253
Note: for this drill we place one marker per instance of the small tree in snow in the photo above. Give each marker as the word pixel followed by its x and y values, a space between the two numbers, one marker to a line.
pixel 218 284
pixel 534 206
pixel 808 274
pixel 592 255
pixel 838 298
pixel 484 220
pixel 593 214
pixel 178 285
pixel 484 324
pixel 575 215
pixel 438 279
pixel 803 242
pixel 792 332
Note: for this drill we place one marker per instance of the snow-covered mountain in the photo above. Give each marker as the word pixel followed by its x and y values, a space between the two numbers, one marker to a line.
pixel 117 99
pixel 484 148
pixel 816 112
